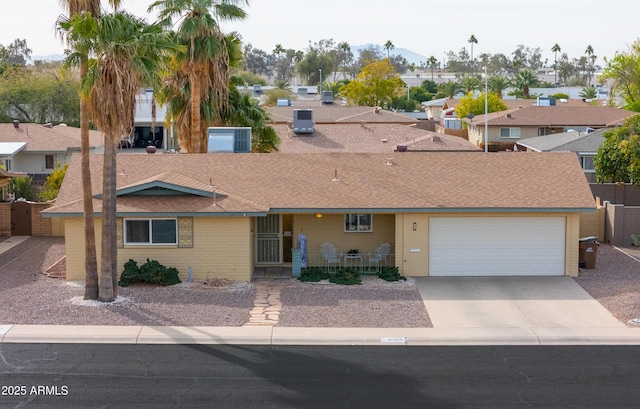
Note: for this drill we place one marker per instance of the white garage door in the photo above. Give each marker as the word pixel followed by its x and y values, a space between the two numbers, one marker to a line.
pixel 496 246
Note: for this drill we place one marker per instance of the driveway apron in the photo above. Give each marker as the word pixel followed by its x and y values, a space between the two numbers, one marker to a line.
pixel 507 302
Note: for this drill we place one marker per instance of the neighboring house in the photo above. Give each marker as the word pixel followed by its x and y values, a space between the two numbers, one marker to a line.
pixel 513 125
pixel 223 215
pixel 37 149
pixel 358 130
pixel 162 137
pixel 334 114
pixel 367 138
pixel 584 145
pixel 5 179
pixel 434 108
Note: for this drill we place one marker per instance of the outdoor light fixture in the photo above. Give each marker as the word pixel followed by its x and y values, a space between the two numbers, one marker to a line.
pixel 318 215
pixel 415 226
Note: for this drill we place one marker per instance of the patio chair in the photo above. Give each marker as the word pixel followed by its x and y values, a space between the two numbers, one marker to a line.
pixel 330 255
pixel 126 141
pixel 378 258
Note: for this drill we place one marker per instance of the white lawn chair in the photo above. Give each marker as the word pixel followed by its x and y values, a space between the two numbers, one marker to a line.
pixel 379 258
pixel 330 255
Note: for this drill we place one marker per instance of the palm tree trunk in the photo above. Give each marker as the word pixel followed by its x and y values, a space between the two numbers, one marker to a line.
pixel 90 258
pixel 108 276
pixel 195 111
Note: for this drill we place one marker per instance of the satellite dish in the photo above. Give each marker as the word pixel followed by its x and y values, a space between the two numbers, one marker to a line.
pixel 471 116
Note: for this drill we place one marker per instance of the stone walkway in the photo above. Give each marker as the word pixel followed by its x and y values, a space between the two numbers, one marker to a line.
pixel 267 304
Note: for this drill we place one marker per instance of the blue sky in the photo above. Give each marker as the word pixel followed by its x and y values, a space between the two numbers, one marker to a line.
pixel 425 27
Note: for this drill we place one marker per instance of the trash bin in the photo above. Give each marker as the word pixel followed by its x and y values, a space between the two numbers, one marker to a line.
pixel 588 252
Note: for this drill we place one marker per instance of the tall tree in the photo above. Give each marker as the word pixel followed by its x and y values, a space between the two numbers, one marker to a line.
pixel 127 55
pixel 524 80
pixel 450 88
pixel 432 62
pixel 624 70
pixel 92 7
pixel 591 58
pixel 472 40
pixel 618 159
pixel 206 57
pixel 376 85
pixel 497 84
pixel 556 49
pixel 389 46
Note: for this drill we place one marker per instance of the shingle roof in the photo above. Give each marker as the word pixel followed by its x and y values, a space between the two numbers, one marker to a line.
pixel 434 181
pixel 571 141
pixel 43 139
pixel 596 117
pixel 335 113
pixel 367 138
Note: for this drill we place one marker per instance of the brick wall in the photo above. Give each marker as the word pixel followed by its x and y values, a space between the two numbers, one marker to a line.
pixel 40 226
pixel 5 219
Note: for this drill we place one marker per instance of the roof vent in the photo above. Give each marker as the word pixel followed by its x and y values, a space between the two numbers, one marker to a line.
pixel 401 148
pixel 363 124
pixel 389 161
pixel 48 125
pixel 383 140
pixel 508 115
pixel 16 123
pixel 435 138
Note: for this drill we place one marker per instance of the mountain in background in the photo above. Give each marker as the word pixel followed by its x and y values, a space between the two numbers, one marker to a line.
pixel 408 54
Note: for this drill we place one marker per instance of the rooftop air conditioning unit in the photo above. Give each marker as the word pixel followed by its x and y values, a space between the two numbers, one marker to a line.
pixel 327 97
pixel 229 140
pixel 303 121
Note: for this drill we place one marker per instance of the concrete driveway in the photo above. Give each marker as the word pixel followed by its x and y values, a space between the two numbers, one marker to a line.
pixel 508 302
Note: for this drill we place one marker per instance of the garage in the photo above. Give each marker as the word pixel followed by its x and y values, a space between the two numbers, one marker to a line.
pixel 497 246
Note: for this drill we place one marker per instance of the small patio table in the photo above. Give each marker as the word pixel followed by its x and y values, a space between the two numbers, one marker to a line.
pixel 353 260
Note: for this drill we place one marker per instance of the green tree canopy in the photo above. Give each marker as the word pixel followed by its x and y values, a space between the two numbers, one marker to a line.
pixel 470 105
pixel 624 70
pixel 376 85
pixel 618 159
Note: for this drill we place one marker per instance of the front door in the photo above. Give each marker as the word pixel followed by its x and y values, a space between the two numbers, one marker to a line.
pixel 269 239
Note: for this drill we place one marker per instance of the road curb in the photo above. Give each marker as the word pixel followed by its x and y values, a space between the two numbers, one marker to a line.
pixel 267 335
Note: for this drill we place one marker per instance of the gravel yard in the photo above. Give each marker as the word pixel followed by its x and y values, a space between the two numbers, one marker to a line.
pixel 27 296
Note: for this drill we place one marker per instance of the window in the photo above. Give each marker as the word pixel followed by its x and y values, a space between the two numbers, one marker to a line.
pixel 509 132
pixel 151 231
pixel 587 164
pixel 48 161
pixel 357 222
pixel 7 165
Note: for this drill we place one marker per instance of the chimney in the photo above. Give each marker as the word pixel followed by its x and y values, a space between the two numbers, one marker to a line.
pixel 16 123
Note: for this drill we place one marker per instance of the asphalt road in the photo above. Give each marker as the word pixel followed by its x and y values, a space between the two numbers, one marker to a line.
pixel 233 376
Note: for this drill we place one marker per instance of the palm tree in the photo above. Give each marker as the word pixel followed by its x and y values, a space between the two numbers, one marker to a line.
pixel 206 59
pixel 497 84
pixel 588 92
pixel 450 88
pixel 524 80
pixel 73 7
pixel 556 49
pixel 470 83
pixel 592 59
pixel 278 50
pixel 433 62
pixel 127 55
pixel 472 40
pixel 389 46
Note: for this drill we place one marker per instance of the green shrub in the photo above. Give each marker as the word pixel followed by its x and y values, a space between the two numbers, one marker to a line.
pixel 346 276
pixel 390 273
pixel 151 272
pixel 313 274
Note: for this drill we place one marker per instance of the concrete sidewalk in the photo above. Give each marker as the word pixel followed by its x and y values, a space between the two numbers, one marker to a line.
pixel 317 336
